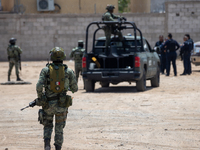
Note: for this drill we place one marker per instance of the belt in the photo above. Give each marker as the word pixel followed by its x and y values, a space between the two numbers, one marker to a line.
pixel 53 98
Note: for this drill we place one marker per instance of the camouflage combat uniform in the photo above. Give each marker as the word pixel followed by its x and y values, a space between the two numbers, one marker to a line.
pixel 52 106
pixel 77 54
pixel 13 52
pixel 109 29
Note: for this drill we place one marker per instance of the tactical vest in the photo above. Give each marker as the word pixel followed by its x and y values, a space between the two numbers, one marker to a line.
pixel 78 54
pixel 103 16
pixel 172 45
pixel 12 52
pixel 57 77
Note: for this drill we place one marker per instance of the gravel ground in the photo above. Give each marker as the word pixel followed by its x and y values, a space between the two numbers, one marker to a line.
pixel 118 117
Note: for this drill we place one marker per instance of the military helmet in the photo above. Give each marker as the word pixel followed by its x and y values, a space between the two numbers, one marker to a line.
pixel 80 42
pixel 12 40
pixel 110 7
pixel 57 54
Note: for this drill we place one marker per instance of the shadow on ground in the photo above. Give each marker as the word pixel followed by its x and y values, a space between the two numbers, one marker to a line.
pixel 119 89
pixel 195 70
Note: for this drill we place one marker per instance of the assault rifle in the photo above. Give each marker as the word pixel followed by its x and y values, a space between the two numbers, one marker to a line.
pixel 19 57
pixel 31 104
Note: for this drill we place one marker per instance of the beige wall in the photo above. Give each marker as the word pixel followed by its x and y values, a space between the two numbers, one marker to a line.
pixel 73 6
pixel 7 5
pixel 140 6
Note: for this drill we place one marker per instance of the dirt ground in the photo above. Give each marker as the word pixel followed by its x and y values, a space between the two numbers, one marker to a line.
pixel 119 117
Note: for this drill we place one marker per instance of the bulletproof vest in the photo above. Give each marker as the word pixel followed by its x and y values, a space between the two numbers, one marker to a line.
pixel 191 44
pixel 78 54
pixel 57 77
pixel 172 46
pixel 187 47
pixel 12 51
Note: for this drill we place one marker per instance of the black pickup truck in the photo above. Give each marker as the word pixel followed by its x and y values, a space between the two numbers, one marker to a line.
pixel 132 60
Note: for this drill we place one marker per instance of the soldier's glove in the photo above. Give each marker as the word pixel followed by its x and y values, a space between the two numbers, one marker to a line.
pixel 9 58
pixel 32 104
pixel 123 18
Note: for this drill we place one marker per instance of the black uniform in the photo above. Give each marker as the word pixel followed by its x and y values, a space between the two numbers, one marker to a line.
pixel 185 55
pixel 162 57
pixel 191 46
pixel 172 47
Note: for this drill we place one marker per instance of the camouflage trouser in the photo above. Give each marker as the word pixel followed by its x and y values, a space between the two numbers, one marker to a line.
pixel 12 63
pixel 60 121
pixel 78 70
pixel 108 31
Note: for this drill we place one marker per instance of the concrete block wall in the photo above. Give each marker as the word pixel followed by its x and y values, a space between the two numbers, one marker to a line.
pixel 183 17
pixel 37 34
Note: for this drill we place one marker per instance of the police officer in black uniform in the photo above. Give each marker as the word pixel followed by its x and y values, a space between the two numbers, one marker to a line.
pixel 191 47
pixel 162 54
pixel 171 46
pixel 185 54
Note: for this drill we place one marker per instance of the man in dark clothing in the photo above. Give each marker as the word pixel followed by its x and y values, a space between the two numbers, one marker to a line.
pixel 162 54
pixel 185 53
pixel 171 46
pixel 191 47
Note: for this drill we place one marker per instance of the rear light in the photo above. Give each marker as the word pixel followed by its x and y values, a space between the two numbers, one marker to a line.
pixel 137 61
pixel 84 62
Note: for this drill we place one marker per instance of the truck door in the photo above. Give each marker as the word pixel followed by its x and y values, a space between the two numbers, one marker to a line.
pixel 154 62
pixel 149 59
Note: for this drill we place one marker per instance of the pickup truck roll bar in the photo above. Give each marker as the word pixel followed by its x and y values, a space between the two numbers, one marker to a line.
pixel 120 27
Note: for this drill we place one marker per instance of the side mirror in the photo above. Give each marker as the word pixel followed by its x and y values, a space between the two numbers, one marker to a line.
pixel 156 49
pixel 145 47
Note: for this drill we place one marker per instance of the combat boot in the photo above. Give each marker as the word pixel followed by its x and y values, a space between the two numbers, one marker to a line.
pixel 18 78
pixel 8 78
pixel 47 144
pixel 57 147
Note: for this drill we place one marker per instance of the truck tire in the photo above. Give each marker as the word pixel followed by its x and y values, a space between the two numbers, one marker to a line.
pixel 104 84
pixel 155 81
pixel 141 84
pixel 89 85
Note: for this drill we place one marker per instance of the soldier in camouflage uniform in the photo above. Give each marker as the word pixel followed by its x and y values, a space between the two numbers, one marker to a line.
pixel 77 54
pixel 56 78
pixel 13 52
pixel 109 29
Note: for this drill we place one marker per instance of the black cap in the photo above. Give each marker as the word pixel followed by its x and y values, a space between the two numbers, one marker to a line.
pixel 170 35
pixel 187 36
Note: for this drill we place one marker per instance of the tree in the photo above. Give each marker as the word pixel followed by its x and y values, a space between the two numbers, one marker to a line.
pixel 123 5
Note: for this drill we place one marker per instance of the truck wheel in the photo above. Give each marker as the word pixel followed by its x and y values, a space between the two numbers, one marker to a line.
pixel 104 84
pixel 89 85
pixel 141 84
pixel 155 81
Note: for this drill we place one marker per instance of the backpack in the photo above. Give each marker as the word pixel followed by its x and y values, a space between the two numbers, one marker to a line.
pixel 12 51
pixel 103 16
pixel 78 54
pixel 57 77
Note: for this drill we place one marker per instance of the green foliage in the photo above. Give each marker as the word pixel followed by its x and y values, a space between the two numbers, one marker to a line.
pixel 123 5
